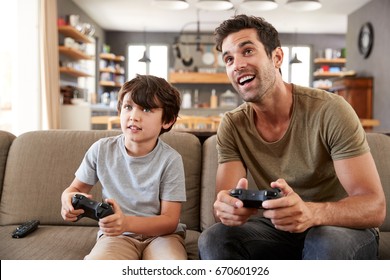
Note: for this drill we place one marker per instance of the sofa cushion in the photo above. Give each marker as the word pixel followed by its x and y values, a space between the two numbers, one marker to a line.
pixel 190 149
pixel 63 243
pixel 380 150
pixel 6 139
pixel 41 164
pixel 48 243
pixel 208 183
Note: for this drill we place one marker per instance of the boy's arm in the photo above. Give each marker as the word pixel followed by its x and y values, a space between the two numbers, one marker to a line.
pixel 165 223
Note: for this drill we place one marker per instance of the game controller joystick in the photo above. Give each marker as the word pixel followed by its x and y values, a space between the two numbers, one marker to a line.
pixel 92 209
pixel 254 199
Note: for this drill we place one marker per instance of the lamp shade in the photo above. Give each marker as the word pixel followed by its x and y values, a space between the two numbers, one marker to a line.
pixel 295 59
pixel 259 5
pixel 304 5
pixel 171 4
pixel 144 58
pixel 214 5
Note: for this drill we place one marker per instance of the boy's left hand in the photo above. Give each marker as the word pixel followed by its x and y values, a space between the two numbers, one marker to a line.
pixel 113 225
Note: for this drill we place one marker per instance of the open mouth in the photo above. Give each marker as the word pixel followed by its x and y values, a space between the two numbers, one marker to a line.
pixel 245 79
pixel 134 127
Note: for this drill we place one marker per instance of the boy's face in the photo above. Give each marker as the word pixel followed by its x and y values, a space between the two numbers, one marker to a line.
pixel 140 124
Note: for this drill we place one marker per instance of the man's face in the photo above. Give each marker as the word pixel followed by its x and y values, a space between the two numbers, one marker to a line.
pixel 250 70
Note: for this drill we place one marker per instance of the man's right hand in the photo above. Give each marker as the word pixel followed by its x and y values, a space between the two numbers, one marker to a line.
pixel 230 210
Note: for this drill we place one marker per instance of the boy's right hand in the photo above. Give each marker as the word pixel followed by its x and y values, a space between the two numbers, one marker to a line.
pixel 68 212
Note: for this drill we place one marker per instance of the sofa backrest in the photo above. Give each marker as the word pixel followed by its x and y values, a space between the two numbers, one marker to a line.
pixel 209 171
pixel 41 164
pixel 6 139
pixel 380 149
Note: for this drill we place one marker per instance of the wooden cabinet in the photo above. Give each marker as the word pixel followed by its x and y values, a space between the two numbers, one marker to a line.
pixel 358 91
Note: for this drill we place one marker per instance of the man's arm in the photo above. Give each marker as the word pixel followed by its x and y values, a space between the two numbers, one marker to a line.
pixel 364 207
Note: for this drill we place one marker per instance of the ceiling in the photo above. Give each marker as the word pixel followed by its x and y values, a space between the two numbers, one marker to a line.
pixel 143 15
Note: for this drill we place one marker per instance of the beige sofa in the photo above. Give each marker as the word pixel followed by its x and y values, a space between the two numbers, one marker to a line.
pixel 36 167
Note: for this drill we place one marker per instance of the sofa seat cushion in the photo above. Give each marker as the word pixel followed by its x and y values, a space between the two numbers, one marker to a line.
pixel 48 243
pixel 63 243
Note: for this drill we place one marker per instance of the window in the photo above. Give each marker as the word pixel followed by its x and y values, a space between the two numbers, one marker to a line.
pixel 20 103
pixel 297 73
pixel 158 66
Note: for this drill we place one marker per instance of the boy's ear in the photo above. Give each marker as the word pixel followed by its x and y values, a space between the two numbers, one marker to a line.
pixel 168 125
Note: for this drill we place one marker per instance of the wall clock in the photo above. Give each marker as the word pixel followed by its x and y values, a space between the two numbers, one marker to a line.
pixel 366 39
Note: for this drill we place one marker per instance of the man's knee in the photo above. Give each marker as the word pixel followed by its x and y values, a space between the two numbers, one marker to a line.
pixel 329 242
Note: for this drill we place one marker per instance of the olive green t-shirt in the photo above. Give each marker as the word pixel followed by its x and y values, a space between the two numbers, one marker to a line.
pixel 323 128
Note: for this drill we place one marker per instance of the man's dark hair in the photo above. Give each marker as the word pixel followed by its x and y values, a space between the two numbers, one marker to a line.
pixel 266 33
pixel 152 92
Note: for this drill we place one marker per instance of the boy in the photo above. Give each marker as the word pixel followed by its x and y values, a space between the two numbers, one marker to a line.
pixel 142 177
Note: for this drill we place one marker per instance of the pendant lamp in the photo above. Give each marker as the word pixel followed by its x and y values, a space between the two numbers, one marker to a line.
pixel 172 4
pixel 303 5
pixel 214 5
pixel 145 58
pixel 295 59
pixel 259 5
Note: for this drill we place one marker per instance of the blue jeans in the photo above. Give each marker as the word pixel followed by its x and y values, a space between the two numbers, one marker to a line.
pixel 259 240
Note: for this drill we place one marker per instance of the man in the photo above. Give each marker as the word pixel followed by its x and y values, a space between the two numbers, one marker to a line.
pixel 308 143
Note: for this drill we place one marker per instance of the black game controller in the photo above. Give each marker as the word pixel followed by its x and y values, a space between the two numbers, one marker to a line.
pixel 254 199
pixel 92 209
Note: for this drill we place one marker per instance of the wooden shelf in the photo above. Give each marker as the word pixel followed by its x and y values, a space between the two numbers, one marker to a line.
pixel 330 61
pixel 335 74
pixel 73 72
pixel 109 84
pixel 111 70
pixel 70 31
pixel 73 53
pixel 198 78
pixel 111 56
pixel 328 74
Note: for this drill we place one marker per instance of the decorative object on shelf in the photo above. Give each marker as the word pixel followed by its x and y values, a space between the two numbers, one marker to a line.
pixel 304 5
pixel 214 5
pixel 259 5
pixel 172 4
pixel 366 39
pixel 145 58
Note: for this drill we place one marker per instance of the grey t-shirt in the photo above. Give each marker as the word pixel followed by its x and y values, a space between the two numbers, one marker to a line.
pixel 138 184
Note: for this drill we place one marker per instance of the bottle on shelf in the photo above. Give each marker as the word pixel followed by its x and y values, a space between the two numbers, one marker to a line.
pixel 213 99
pixel 187 103
pixel 196 98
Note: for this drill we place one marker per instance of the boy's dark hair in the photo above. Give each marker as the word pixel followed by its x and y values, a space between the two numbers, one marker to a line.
pixel 152 92
pixel 266 33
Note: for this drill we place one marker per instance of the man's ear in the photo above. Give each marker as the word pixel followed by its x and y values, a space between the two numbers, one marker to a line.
pixel 277 57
